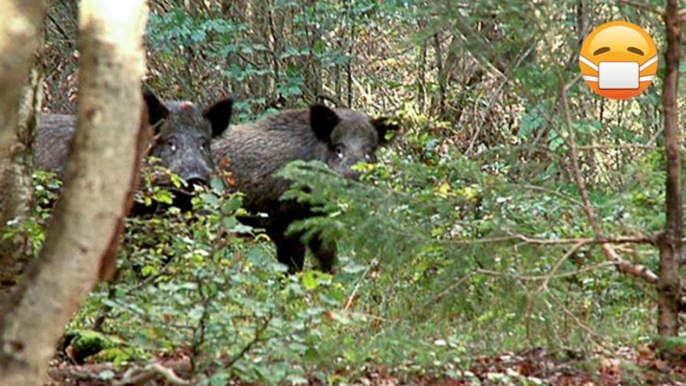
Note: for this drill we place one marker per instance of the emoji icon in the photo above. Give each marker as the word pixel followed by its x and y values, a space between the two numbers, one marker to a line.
pixel 618 60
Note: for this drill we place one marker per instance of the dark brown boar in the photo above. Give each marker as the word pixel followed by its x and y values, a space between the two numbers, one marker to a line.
pixel 253 152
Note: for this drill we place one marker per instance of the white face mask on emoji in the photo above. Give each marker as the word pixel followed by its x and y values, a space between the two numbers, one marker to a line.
pixel 618 75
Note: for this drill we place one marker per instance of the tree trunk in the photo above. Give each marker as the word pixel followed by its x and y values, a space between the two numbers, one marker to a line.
pixel 20 34
pixel 17 187
pixel 669 283
pixel 99 179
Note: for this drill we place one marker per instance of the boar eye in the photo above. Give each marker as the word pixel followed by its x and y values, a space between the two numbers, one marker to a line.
pixel 172 145
pixel 339 151
pixel 203 145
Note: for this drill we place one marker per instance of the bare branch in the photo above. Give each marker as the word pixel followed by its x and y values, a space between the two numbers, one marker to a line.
pixel 614 147
pixel 256 338
pixel 557 194
pixel 557 265
pixel 544 277
pixel 642 6
pixel 450 289
pixel 589 240
pixel 482 241
pixel 589 331
pixel 623 266
pixel 349 302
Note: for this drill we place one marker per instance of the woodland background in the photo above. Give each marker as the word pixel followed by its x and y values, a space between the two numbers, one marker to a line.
pixel 472 251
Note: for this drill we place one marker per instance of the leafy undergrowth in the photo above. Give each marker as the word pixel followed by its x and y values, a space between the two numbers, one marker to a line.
pixel 437 283
pixel 625 366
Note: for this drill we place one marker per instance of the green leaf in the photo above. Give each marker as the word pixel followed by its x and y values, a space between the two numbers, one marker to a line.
pixel 164 196
pixel 310 280
pixel 210 198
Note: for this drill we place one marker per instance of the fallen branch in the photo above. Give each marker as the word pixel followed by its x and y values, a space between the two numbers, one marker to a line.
pixel 152 371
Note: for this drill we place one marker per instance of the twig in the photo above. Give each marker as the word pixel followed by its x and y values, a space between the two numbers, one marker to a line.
pixel 199 332
pixel 613 147
pixel 65 35
pixel 546 278
pixel 481 241
pixel 588 240
pixel 557 265
pixel 349 302
pixel 328 97
pixel 644 7
pixel 623 266
pixel 577 321
pixel 487 110
pixel 155 138
pixel 150 372
pixel 554 193
pixel 450 288
pixel 256 338
pixel 543 277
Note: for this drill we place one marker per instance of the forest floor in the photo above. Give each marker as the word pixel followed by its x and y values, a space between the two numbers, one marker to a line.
pixel 625 366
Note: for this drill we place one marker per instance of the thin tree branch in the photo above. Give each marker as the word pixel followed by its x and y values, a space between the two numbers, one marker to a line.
pixel 449 289
pixel 623 266
pixel 554 193
pixel 256 338
pixel 65 35
pixel 557 266
pixel 589 331
pixel 544 277
pixel 645 7
pixel 614 147
pixel 589 240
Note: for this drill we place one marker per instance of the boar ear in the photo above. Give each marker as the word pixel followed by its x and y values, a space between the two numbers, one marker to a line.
pixel 219 115
pixel 156 109
pixel 323 120
pixel 383 126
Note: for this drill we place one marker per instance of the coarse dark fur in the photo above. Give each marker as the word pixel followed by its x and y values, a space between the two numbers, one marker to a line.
pixel 253 152
pixel 52 142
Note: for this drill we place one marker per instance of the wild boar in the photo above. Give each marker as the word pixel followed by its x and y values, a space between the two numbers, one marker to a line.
pixel 255 151
pixel 181 141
